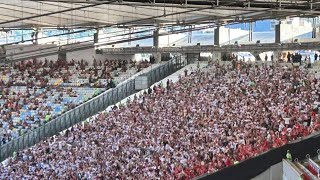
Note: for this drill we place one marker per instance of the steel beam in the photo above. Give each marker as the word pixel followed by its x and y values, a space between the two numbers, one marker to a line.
pixel 57 12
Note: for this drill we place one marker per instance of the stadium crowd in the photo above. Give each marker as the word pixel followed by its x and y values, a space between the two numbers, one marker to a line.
pixel 34 92
pixel 208 120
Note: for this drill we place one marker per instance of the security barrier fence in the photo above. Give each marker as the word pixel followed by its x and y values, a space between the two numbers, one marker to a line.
pixel 155 74
pixel 85 110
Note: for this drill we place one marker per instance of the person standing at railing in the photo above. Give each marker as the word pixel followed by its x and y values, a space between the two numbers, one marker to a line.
pixel 185 72
pixel 288 155
pixel 198 66
pixel 47 117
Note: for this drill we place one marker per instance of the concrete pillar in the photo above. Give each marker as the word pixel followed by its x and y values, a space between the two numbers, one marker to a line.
pixel 184 59
pixel 156 38
pixel 35 35
pixel 217 36
pixel 216 56
pixel 276 55
pixel 317 32
pixel 96 36
pixel 157 57
pixel 277 33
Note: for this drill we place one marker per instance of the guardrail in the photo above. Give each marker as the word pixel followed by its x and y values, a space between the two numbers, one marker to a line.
pixel 290 171
pixel 263 47
pixel 314 166
pixel 83 111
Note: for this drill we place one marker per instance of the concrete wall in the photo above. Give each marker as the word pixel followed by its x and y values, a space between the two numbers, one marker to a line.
pixel 216 56
pixel 87 54
pixel 227 34
pixel 273 173
pixel 288 32
pixel 28 50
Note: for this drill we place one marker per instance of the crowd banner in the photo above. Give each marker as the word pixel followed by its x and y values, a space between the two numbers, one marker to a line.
pixel 84 111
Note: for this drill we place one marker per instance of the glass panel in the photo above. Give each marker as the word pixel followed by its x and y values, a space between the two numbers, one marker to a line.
pixel 58 125
pixel 41 132
pixel 36 135
pixel 4 150
pixel 46 130
pixel 120 93
pixel 10 148
pixel 25 141
pixel 31 139
pixel 16 144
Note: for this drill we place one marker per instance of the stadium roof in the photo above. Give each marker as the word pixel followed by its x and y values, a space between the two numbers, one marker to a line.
pixel 93 13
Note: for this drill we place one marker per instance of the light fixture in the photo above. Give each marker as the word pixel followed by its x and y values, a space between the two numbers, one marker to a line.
pixel 258 43
pixel 297 41
pixel 237 44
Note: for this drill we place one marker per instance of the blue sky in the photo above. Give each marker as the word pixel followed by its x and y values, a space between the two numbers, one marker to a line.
pixel 259 26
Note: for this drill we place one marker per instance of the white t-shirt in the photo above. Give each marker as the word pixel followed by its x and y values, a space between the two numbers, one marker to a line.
pixel 286 120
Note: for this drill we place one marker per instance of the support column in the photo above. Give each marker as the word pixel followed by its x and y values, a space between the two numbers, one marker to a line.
pixel 156 38
pixel 35 36
pixel 276 55
pixel 157 55
pixel 277 33
pixel 216 37
pixel 96 36
pixel 216 56
pixel 314 32
pixel 317 32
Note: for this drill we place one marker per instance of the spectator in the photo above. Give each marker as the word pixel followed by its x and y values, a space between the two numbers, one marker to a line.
pixel 206 121
pixel 34 92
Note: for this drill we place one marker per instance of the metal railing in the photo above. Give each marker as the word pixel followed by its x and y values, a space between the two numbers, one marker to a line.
pixel 263 47
pixel 84 111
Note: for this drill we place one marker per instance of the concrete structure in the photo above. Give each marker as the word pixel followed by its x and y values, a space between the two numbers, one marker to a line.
pixel 263 47
pixel 273 173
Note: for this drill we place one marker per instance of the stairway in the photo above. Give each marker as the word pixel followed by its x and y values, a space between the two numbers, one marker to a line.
pixel 308 169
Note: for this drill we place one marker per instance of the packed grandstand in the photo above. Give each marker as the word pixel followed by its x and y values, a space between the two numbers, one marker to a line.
pixel 33 93
pixel 159 90
pixel 211 118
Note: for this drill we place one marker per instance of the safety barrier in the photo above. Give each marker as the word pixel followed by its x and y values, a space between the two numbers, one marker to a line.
pixel 313 167
pixel 263 47
pixel 290 171
pixel 84 111
pixel 252 167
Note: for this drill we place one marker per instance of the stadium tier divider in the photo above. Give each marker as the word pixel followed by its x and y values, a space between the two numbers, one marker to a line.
pixel 85 110
pixel 254 166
